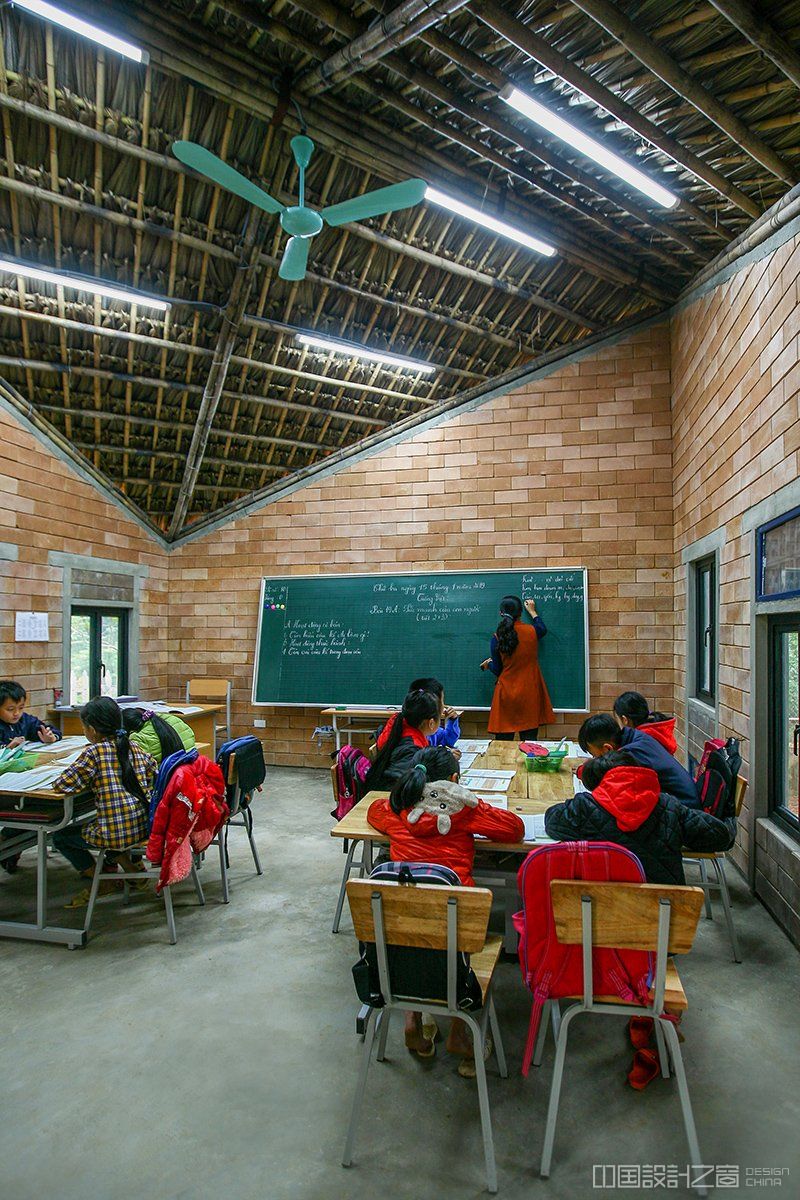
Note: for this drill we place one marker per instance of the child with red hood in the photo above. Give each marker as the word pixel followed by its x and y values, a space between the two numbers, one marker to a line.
pixel 631 711
pixel 623 803
pixel 406 736
pixel 430 818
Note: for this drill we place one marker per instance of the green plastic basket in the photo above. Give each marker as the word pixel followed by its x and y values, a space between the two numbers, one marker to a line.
pixel 545 763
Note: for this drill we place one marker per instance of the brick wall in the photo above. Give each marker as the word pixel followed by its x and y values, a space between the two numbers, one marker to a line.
pixel 573 470
pixel 44 506
pixel 736 427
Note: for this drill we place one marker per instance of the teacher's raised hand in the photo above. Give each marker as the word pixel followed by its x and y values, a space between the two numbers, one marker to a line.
pixel 487 662
pixel 530 607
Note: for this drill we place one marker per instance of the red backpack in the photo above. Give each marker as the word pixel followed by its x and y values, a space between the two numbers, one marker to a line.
pixel 352 766
pixel 551 969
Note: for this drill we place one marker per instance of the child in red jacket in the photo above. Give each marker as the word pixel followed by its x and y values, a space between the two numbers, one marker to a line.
pixel 429 817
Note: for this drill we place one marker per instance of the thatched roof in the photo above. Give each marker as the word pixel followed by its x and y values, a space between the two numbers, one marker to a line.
pixel 89 185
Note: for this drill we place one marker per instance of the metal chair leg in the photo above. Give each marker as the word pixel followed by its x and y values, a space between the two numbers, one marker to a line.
pixel 671 1036
pixel 384 1020
pixel 223 868
pixel 499 1051
pixel 555 1090
pixel 173 935
pixel 198 887
pixel 348 866
pixel 719 869
pixel 663 1053
pixel 701 862
pixel 361 1083
pixel 248 823
pixel 98 870
pixel 541 1036
pixel 483 1102
pixel 555 1017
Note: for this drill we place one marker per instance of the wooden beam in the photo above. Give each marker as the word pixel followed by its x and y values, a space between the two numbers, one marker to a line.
pixel 764 36
pixel 667 69
pixel 405 22
pixel 540 51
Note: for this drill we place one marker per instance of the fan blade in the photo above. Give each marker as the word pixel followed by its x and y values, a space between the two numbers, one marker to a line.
pixel 202 160
pixel 375 204
pixel 295 258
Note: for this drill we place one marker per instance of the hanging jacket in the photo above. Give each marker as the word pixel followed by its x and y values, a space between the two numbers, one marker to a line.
pixel 419 840
pixel 190 814
pixel 628 809
pixel 663 730
pixel 649 751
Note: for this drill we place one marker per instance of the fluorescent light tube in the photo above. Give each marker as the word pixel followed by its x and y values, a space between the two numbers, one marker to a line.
pixel 390 360
pixel 584 144
pixel 79 284
pixel 481 218
pixel 68 20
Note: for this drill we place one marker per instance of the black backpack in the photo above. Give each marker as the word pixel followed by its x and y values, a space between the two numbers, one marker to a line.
pixel 415 971
pixel 717 779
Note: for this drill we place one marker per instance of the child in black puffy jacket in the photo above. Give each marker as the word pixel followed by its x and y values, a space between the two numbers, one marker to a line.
pixel 624 804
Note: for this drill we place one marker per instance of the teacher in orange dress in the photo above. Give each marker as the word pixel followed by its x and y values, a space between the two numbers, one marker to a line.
pixel 521 702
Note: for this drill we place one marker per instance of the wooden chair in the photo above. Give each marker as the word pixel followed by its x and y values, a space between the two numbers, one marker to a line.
pixel 720 884
pixel 450 919
pixel 624 916
pixel 126 876
pixel 212 691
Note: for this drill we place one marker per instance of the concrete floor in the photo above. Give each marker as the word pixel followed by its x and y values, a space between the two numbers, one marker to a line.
pixel 224 1066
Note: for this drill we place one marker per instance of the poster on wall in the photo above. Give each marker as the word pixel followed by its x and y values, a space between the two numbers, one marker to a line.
pixel 32 627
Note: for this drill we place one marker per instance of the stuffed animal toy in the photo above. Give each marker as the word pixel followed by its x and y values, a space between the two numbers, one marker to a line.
pixel 442 800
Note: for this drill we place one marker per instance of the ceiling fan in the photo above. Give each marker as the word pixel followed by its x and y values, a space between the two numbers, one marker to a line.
pixel 301 223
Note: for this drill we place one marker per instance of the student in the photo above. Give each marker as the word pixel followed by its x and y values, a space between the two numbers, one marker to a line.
pixel 17 726
pixel 521 702
pixel 120 777
pixel 407 736
pixel 158 734
pixel 601 733
pixel 416 838
pixel 624 803
pixel 631 711
pixel 446 735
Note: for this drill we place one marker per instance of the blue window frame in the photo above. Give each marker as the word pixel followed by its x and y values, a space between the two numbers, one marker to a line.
pixel 778 558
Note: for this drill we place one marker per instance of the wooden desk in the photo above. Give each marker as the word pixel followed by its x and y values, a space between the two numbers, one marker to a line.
pixel 26 826
pixel 533 793
pixel 203 722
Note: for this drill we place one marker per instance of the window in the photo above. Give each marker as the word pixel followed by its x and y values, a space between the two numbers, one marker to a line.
pixel 778 557
pixel 784 712
pixel 705 628
pixel 98 653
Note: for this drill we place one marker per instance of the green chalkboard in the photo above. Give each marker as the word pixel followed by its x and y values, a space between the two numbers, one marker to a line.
pixel 360 639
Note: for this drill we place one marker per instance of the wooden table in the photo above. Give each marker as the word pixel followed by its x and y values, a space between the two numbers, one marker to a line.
pixel 64 813
pixel 203 722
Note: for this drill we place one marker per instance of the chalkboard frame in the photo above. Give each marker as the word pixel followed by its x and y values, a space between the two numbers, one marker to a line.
pixel 377 575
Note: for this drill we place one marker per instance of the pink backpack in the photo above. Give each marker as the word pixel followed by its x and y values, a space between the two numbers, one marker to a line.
pixel 550 969
pixel 352 765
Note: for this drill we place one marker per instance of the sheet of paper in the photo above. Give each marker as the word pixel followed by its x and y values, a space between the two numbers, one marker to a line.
pixel 492 773
pixel 496 800
pixel 26 781
pixel 577 786
pixel 478 781
pixel 32 627
pixel 68 744
pixel 186 710
pixel 534 828
pixel 473 745
pixel 466 761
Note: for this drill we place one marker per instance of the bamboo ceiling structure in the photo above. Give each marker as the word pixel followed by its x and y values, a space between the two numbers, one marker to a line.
pixel 188 413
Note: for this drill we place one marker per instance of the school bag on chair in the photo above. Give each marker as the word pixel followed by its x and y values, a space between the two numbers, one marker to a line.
pixel 552 970
pixel 352 765
pixel 717 777
pixel 415 971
